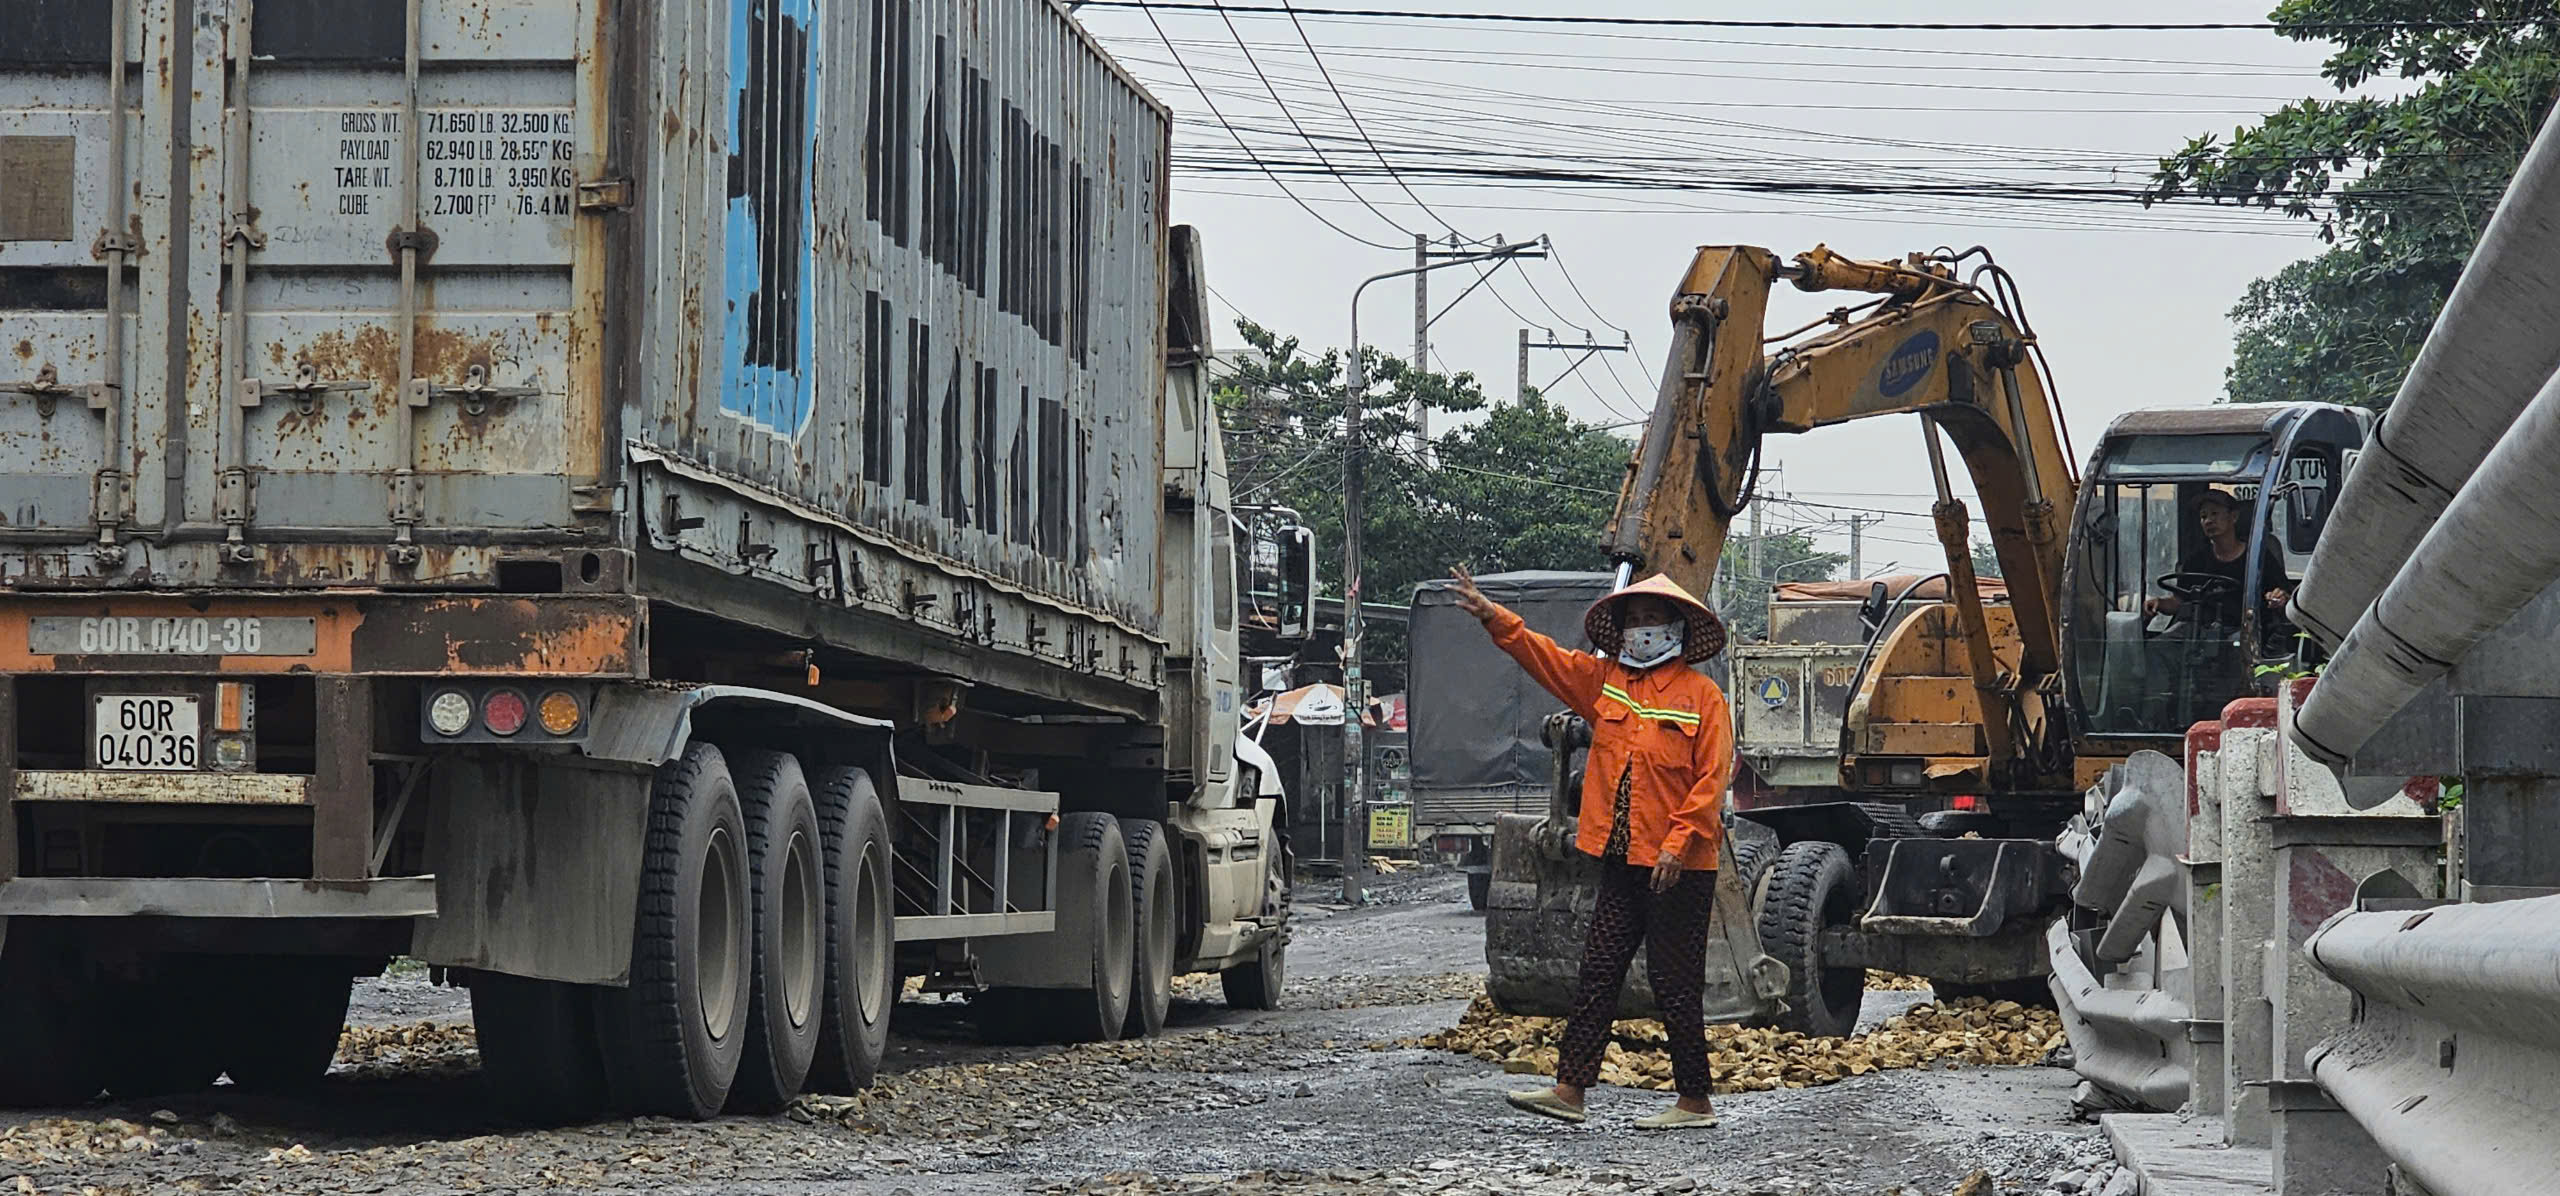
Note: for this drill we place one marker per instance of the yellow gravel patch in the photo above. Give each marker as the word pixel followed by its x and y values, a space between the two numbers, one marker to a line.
pixel 1970 1031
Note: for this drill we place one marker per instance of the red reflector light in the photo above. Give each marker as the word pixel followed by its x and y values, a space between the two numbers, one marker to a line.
pixel 1966 801
pixel 503 712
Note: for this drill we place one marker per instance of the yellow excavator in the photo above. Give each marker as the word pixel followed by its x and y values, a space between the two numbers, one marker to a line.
pixel 1971 728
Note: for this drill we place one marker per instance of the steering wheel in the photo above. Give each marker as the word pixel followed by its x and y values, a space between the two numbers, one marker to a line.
pixel 2198 587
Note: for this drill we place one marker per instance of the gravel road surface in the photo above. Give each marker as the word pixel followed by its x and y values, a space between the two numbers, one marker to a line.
pixel 1312 1098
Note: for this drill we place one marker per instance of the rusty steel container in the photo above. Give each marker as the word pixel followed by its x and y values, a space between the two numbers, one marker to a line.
pixel 817 314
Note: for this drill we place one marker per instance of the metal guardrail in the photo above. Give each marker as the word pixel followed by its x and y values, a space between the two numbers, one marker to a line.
pixel 2451 1060
pixel 2120 973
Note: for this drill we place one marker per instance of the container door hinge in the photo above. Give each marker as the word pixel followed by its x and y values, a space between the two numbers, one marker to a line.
pixel 604 195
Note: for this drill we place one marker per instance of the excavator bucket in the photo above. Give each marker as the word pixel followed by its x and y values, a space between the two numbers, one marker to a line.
pixel 1539 909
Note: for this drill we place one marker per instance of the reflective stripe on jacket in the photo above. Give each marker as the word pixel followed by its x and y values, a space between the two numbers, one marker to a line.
pixel 1665 729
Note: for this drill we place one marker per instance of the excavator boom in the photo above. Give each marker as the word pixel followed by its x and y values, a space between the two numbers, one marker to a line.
pixel 1931 346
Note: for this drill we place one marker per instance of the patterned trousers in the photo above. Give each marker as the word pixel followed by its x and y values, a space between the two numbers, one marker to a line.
pixel 1672 927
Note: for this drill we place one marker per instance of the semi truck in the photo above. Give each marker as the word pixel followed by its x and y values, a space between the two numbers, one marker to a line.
pixel 681 518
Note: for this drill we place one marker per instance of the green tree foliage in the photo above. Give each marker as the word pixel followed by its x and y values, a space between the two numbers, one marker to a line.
pixel 1526 487
pixel 1986 559
pixel 2400 188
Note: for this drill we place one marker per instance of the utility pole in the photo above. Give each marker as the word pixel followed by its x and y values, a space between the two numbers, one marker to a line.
pixel 1757 582
pixel 1587 348
pixel 1421 331
pixel 1857 560
pixel 1355 696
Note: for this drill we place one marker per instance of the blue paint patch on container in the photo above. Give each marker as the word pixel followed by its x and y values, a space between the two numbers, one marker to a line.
pixel 769 330
pixel 1910 362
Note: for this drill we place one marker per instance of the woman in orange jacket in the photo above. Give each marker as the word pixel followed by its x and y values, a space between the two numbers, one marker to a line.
pixel 1652 812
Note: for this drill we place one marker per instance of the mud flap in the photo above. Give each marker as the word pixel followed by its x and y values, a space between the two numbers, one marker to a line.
pixel 1539 908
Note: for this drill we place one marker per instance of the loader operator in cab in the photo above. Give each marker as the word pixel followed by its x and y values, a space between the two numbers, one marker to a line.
pixel 2222 555
pixel 1652 812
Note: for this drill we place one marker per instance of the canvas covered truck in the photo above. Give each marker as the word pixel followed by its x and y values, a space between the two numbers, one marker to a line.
pixel 1475 718
pixel 678 516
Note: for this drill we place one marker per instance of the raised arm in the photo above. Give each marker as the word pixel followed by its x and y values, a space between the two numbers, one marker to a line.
pixel 1573 677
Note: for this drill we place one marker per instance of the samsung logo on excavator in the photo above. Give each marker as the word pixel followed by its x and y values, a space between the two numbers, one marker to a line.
pixel 1911 361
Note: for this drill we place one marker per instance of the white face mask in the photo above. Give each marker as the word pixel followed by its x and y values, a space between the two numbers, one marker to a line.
pixel 1645 647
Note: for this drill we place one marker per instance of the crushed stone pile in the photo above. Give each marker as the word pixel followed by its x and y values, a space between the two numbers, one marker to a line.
pixel 1747 1059
pixel 1347 992
pixel 1087 1084
pixel 421 1046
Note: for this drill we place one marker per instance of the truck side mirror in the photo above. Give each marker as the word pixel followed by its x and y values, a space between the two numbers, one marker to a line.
pixel 1297 582
pixel 1872 611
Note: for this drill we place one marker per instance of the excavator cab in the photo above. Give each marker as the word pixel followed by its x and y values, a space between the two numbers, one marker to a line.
pixel 2193 528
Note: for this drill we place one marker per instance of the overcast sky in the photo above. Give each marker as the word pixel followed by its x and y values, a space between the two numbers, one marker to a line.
pixel 2130 304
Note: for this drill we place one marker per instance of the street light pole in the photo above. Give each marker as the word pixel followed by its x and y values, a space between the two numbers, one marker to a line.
pixel 1355 766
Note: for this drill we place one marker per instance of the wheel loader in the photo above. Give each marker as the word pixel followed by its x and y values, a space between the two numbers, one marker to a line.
pixel 1968 729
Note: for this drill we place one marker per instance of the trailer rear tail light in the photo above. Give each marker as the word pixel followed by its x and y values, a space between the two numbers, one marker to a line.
pixel 1965 801
pixel 503 712
pixel 559 712
pixel 449 712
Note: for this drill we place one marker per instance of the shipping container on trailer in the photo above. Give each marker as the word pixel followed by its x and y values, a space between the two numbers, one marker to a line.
pixel 442 442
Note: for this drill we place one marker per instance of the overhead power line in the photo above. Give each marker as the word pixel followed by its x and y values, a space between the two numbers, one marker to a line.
pixel 1283 106
pixel 1354 118
pixel 1581 66
pixel 1248 150
pixel 1900 215
pixel 1406 14
pixel 1969 60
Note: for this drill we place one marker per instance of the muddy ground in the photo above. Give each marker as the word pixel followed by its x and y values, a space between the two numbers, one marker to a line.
pixel 1308 1099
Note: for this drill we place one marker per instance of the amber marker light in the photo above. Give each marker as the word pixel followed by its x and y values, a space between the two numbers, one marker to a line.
pixel 559 712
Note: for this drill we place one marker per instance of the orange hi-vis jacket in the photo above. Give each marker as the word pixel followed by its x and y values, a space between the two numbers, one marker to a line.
pixel 1664 732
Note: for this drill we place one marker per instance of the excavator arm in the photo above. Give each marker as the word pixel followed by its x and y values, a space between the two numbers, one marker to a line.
pixel 1958 696
pixel 1931 346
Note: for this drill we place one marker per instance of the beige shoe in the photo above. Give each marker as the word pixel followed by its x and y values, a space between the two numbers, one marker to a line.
pixel 1545 1103
pixel 1677 1118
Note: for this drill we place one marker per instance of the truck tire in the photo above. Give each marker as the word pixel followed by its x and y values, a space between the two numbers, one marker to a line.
pixel 1811 886
pixel 787 963
pixel 1094 859
pixel 1095 910
pixel 1155 906
pixel 539 1056
pixel 862 975
pixel 1479 889
pixel 673 1038
pixel 47 1021
pixel 286 1013
pixel 1257 985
